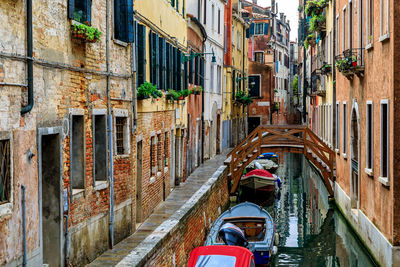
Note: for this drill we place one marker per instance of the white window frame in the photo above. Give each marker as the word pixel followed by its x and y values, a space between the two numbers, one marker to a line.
pixel 7 208
pixel 344 129
pixel 337 142
pixel 213 17
pixel 350 14
pixel 127 147
pixel 385 180
pixel 344 27
pixel 369 25
pixel 370 170
pixel 255 27
pixel 384 35
pixel 337 52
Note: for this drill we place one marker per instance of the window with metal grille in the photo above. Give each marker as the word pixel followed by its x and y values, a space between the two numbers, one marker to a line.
pixel 119 132
pixel 5 173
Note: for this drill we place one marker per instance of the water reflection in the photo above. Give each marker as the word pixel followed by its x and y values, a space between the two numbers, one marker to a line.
pixel 311 232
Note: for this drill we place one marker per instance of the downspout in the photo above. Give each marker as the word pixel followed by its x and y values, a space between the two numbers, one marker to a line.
pixel 110 133
pixel 29 40
pixel 334 78
pixel 203 134
pixel 23 225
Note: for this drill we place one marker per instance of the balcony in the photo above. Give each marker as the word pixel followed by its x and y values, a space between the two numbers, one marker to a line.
pixel 351 62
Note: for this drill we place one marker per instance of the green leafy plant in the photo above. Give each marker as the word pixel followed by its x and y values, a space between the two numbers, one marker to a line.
pixel 300 8
pixel 326 68
pixel 315 7
pixel 147 90
pixel 85 32
pixel 346 64
pixel 317 23
pixel 243 98
pixel 276 106
pixel 172 94
pixel 295 83
pixel 186 92
pixel 197 89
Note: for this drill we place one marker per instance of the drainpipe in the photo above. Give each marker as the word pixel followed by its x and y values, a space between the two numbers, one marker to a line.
pixel 23 226
pixel 334 79
pixel 134 89
pixel 109 130
pixel 203 134
pixel 29 40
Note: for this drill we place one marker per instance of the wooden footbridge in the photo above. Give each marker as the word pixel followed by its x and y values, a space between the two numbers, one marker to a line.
pixel 281 138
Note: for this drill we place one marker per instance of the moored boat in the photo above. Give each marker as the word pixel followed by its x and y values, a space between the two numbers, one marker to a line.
pixel 247 225
pixel 261 180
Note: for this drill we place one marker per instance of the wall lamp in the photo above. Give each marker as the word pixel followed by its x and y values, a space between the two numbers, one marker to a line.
pixel 188 57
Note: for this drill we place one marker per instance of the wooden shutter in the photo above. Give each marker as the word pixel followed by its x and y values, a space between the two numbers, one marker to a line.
pixel 196 71
pixel 266 25
pixel 151 57
pixel 141 54
pixel 179 68
pixel 172 3
pixel 162 63
pixel 191 69
pixel 202 72
pixel 157 60
pixel 131 33
pixel 88 9
pixel 171 67
pixel 233 84
pixel 168 60
pixel 185 75
pixel 177 6
pixel 174 67
pixel 71 9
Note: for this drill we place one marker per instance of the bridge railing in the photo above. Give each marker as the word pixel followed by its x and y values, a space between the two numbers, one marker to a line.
pixel 285 138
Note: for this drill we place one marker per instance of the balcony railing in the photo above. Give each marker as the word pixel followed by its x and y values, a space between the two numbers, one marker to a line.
pixel 351 62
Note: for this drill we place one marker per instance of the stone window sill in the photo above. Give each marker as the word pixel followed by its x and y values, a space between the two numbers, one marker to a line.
pixel 369 46
pixel 165 169
pixel 384 181
pixel 119 42
pixel 354 214
pixel 77 194
pixel 159 174
pixel 122 156
pixel 384 38
pixel 5 209
pixel 369 172
pixel 344 155
pixel 337 151
pixel 100 185
pixel 152 179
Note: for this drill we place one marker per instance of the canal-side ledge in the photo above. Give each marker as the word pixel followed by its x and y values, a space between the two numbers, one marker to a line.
pixel 177 225
pixel 383 252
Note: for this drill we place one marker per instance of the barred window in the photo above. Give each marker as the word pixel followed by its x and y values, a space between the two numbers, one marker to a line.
pixel 5 172
pixel 119 128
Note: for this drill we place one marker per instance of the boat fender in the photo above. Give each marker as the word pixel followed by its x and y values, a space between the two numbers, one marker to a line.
pixel 276 241
pixel 274 250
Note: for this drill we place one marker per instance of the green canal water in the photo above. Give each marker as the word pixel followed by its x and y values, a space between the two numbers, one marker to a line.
pixel 312 232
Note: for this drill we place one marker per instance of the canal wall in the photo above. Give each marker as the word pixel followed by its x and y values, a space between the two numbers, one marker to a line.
pixel 171 243
pixel 382 250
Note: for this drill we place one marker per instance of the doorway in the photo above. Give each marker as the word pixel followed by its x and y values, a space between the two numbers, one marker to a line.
pixel 139 172
pixel 50 195
pixel 253 123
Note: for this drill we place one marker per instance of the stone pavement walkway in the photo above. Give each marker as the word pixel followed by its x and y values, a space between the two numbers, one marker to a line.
pixel 178 197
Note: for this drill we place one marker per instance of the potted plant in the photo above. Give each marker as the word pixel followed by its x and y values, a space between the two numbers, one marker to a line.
pixel 85 33
pixel 276 106
pixel 147 90
pixel 326 68
pixel 186 93
pixel 317 23
pixel 172 95
pixel 197 90
pixel 243 98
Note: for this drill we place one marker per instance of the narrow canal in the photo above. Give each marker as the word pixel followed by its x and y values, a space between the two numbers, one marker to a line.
pixel 312 232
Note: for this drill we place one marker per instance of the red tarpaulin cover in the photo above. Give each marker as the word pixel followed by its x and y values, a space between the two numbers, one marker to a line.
pixel 221 255
pixel 259 172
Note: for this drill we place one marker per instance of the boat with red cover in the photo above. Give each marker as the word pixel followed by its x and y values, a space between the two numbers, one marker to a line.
pixel 221 256
pixel 262 180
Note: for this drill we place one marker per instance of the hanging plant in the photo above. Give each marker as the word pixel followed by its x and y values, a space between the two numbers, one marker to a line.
pixel 346 64
pixel 243 98
pixel 147 90
pixel 197 90
pixel 186 92
pixel 172 95
pixel 317 23
pixel 85 33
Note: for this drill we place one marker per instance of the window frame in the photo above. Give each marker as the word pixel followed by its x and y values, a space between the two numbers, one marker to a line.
pixel 369 135
pixel 98 112
pixel 385 180
pixel 344 43
pixel 344 129
pixel 6 208
pixel 260 88
pixel 124 114
pixel 337 141
pixel 262 28
pixel 369 25
pixel 384 35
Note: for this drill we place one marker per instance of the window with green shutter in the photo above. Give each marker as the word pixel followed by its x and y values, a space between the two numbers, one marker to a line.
pixel 173 3
pixel 175 68
pixel 168 68
pixel 179 69
pixel 141 54
pixel 163 62
pixel 202 72
pixel 191 62
pixel 80 10
pixel 196 71
pixel 123 20
pixel 157 60
pixel 185 75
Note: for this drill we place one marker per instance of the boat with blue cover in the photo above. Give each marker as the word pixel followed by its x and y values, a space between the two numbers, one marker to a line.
pixel 247 225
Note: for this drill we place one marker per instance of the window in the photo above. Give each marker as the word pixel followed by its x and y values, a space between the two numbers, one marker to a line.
pixel 141 54
pixel 369 136
pixel 239 40
pixel 77 152
pixel 344 30
pixel 159 155
pixel 154 48
pixel 153 153
pixel 233 35
pixel 213 17
pixel 121 132
pixel 384 19
pixel 259 57
pixel 80 10
pixel 173 3
pixel 205 12
pixel 120 123
pixel 191 62
pixel 361 24
pixel 259 28
pixel 177 6
pixel 166 149
pixel 350 45
pixel 219 74
pixel 5 171
pixel 337 141
pixel 196 70
pixel 100 147
pixel 212 78
pixel 344 128
pixel 384 139
pixel 123 20
pixel 337 36
pixel 370 21
pixel 219 21
pixel 162 63
pixel 255 85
